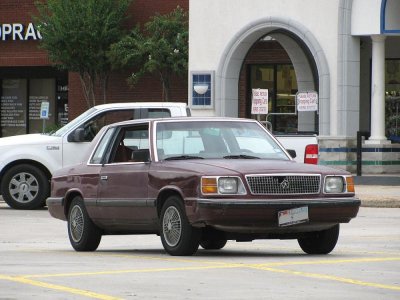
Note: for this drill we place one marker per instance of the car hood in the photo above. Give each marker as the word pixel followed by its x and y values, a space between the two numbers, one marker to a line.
pixel 29 139
pixel 250 166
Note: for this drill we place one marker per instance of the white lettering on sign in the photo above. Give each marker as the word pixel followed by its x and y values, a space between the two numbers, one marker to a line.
pixel 19 32
pixel 259 103
pixel 307 101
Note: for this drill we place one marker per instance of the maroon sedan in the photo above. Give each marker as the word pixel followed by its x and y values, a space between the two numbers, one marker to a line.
pixel 199 181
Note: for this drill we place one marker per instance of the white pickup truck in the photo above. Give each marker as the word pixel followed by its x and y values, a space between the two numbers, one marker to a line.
pixel 27 162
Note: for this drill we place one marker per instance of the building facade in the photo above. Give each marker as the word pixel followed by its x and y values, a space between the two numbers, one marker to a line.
pixel 347 52
pixel 27 77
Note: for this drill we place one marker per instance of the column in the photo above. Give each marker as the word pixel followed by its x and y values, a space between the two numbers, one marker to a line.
pixel 378 92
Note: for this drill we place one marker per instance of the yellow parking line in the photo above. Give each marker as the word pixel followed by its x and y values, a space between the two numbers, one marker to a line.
pixel 116 272
pixel 330 277
pixel 216 265
pixel 329 261
pixel 57 287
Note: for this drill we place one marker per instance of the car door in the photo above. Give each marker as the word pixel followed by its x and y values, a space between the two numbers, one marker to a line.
pixel 123 188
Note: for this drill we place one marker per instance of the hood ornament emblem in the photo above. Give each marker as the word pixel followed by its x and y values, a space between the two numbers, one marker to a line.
pixel 285 184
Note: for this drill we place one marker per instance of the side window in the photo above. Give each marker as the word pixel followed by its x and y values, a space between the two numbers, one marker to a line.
pixel 99 154
pixel 146 113
pixel 159 113
pixel 132 145
pixel 93 126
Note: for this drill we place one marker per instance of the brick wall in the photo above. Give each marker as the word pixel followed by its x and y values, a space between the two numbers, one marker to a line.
pixel 19 53
pixel 27 53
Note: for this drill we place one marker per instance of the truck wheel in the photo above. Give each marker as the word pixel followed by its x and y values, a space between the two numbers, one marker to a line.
pixel 25 187
pixel 83 234
pixel 321 242
pixel 177 235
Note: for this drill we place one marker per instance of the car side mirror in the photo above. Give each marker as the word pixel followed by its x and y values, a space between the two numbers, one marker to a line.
pixel 292 152
pixel 77 136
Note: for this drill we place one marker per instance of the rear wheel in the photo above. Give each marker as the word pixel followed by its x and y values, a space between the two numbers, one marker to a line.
pixel 177 235
pixel 212 243
pixel 321 242
pixel 25 187
pixel 83 234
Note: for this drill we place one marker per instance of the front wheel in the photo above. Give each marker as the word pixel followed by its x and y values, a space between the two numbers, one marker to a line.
pixel 25 187
pixel 321 242
pixel 83 234
pixel 177 235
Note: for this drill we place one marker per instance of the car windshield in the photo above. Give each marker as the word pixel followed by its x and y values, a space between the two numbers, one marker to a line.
pixel 74 122
pixel 215 139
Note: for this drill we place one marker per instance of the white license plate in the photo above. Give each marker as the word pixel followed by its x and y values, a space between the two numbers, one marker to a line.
pixel 293 216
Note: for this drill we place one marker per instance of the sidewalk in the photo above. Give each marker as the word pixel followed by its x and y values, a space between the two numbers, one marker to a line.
pixel 378 190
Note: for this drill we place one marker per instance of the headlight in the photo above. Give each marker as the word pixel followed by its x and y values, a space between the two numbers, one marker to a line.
pixel 222 185
pixel 227 185
pixel 334 184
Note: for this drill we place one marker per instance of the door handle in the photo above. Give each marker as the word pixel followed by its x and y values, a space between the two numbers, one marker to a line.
pixel 104 177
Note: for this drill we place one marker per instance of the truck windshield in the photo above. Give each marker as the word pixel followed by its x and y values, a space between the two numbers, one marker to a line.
pixel 74 122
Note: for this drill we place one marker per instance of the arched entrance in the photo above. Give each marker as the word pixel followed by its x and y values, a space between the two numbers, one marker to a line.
pixel 280 63
pixel 300 45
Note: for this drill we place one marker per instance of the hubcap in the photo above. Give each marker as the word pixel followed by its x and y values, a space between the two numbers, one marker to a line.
pixel 23 187
pixel 172 226
pixel 76 223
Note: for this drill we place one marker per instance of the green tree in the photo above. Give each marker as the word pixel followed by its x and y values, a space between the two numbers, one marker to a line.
pixel 77 36
pixel 162 49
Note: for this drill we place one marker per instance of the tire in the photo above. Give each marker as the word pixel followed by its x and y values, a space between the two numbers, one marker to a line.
pixel 83 234
pixel 177 235
pixel 212 244
pixel 321 242
pixel 25 187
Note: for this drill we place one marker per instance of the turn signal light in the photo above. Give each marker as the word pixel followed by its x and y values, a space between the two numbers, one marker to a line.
pixel 350 184
pixel 209 185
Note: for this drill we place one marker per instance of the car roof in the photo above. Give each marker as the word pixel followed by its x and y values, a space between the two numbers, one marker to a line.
pixel 181 119
pixel 140 104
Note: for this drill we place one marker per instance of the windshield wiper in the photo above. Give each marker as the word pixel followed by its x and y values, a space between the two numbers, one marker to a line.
pixel 182 157
pixel 245 156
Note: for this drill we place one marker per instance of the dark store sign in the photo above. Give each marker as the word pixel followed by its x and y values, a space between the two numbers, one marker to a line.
pixel 12 112
pixel 19 32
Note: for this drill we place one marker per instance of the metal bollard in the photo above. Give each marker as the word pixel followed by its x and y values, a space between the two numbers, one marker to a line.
pixel 360 134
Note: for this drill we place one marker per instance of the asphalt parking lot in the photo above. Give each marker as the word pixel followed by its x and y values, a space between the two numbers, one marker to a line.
pixel 37 262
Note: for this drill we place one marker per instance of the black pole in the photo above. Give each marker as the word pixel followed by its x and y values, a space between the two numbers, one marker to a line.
pixel 360 134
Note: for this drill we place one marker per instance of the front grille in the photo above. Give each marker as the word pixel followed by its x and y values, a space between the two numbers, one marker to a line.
pixel 284 184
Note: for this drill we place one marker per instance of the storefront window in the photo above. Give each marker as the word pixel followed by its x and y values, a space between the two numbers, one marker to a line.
pixel 22 91
pixel 13 107
pixel 281 82
pixel 40 90
pixel 392 90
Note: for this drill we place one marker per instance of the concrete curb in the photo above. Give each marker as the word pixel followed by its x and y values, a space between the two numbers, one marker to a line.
pixel 389 203
pixel 379 195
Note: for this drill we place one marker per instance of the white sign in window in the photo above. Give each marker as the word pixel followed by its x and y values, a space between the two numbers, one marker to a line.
pixel 259 102
pixel 307 101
